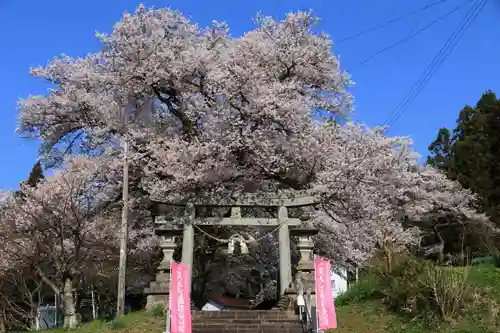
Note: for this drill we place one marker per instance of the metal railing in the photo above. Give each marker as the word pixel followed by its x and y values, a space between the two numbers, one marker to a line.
pixel 305 312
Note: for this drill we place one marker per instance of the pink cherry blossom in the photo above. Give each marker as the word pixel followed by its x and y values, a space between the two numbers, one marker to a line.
pixel 211 115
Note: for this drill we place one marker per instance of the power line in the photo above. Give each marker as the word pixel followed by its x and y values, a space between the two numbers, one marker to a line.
pixel 419 19
pixel 412 35
pixel 438 60
pixel 415 25
pixel 382 25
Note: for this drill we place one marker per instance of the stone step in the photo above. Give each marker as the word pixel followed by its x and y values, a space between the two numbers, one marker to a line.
pixel 253 325
pixel 262 315
pixel 245 330
pixel 244 311
pixel 244 321
pixel 228 329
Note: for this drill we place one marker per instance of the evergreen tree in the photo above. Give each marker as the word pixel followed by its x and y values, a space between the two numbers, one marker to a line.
pixel 35 176
pixel 440 150
pixel 472 154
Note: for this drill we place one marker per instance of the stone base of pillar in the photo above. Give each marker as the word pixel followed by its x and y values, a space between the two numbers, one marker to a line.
pixel 153 301
pixel 291 294
pixel 308 281
pixel 158 292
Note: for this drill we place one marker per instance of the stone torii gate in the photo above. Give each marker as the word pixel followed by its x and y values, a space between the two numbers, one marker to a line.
pixel 170 230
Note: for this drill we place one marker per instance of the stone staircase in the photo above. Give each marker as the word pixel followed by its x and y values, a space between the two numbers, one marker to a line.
pixel 246 321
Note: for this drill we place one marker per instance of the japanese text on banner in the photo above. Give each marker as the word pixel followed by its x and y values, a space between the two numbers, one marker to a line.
pixel 180 307
pixel 325 305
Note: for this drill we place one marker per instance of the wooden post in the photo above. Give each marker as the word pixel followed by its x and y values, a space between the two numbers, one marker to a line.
pixel 122 268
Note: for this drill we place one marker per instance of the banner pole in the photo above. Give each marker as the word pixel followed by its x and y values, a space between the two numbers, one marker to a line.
pixel 317 313
pixel 167 329
pixel 190 287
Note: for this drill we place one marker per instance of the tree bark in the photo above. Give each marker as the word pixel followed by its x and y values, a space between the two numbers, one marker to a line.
pixel 3 328
pixel 70 317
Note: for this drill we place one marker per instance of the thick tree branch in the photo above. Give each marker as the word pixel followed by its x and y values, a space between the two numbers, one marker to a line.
pixel 187 123
pixel 47 281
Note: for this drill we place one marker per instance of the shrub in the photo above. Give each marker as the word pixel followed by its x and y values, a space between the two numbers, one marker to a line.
pixel 365 289
pixel 449 289
pixel 95 325
pixel 496 260
pixel 158 311
pixel 116 324
pixel 401 287
pixel 421 288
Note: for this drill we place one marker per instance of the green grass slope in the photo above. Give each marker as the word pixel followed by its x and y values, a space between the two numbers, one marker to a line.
pixel 363 310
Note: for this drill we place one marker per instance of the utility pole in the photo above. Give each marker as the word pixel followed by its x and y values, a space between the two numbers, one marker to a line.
pixel 122 268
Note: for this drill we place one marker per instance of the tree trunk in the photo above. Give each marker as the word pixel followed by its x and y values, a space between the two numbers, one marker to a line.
pixel 94 306
pixel 70 318
pixel 3 328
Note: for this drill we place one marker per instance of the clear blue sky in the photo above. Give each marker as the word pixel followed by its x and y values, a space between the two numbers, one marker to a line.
pixel 33 32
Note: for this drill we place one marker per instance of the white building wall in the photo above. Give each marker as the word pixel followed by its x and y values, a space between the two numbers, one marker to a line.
pixel 211 307
pixel 339 281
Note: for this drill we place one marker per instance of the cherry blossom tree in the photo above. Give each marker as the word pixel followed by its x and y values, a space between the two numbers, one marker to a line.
pixel 4 264
pixel 59 228
pixel 66 229
pixel 370 184
pixel 214 115
pixel 19 286
pixel 20 296
pixel 6 198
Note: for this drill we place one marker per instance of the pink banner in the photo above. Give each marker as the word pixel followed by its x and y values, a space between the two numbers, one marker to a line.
pixel 180 305
pixel 325 306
